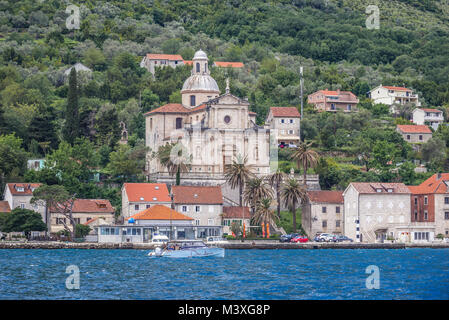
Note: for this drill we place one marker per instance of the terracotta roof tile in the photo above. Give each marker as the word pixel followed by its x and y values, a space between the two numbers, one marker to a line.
pixel 197 195
pixel 432 110
pixel 91 206
pixel 170 108
pixel 27 188
pixel 4 206
pixel 188 62
pixel 162 56
pixel 285 112
pixel 408 128
pixel 432 185
pixel 159 212
pixel 371 187
pixel 147 192
pixel 236 212
pixel 396 88
pixel 225 64
pixel 325 196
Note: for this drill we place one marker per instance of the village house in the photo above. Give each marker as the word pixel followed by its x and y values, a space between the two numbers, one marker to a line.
pixel 325 100
pixel 212 128
pixel 140 196
pixel 285 123
pixel 430 208
pixel 157 219
pixel 414 133
pixel 428 117
pixel 204 204
pixel 323 213
pixel 18 195
pixel 238 215
pixel 153 60
pixel 83 212
pixel 375 211
pixel 390 95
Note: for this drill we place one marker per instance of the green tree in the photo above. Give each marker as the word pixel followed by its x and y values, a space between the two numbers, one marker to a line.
pixel 255 190
pixel 238 173
pixel 126 162
pixel 293 194
pixel 72 119
pixel 175 158
pixel 81 230
pixel 275 180
pixel 305 158
pixel 264 214
pixel 12 156
pixel 23 220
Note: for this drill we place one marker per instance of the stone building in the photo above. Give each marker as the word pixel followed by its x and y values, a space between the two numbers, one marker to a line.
pixel 210 130
pixel 153 60
pixel 415 133
pixel 285 124
pixel 328 100
pixel 323 213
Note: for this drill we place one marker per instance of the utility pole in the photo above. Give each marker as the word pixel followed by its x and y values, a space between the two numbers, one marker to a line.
pixel 302 104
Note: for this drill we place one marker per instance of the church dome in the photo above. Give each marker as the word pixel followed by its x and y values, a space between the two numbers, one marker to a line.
pixel 200 54
pixel 203 82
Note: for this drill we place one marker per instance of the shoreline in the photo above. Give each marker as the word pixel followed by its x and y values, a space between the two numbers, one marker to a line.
pixel 230 245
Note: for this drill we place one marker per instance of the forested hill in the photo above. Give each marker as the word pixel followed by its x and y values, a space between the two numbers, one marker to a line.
pixel 273 38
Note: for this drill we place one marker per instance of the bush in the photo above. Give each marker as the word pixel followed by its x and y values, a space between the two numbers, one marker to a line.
pixel 440 236
pixel 81 230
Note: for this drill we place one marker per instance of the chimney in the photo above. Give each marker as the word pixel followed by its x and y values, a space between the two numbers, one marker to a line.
pixel 438 175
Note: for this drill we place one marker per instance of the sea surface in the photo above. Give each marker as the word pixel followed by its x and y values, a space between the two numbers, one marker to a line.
pixel 242 274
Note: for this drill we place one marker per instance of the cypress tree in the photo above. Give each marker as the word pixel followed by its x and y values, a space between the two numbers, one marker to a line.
pixel 72 118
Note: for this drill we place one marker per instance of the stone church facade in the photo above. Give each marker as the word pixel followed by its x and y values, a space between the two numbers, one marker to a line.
pixel 210 129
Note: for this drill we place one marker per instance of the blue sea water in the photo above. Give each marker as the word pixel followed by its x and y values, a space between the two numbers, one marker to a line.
pixel 242 274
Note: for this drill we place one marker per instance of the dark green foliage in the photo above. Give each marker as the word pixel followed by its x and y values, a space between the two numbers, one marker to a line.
pixel 72 118
pixel 22 220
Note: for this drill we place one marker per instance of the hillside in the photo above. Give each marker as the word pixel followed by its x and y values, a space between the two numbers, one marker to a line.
pixel 272 38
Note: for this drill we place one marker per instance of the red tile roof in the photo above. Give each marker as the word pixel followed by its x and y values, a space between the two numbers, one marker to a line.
pixel 170 108
pixel 224 64
pixel 432 185
pixel 162 56
pixel 159 212
pixel 408 128
pixel 4 206
pixel 335 93
pixel 325 196
pixel 147 192
pixel 236 212
pixel 432 110
pixel 28 188
pixel 91 206
pixel 197 195
pixel 285 112
pixel 252 113
pixel 396 88
pixel 188 62
pixel 371 187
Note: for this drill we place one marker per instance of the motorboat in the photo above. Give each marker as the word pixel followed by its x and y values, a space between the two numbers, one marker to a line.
pixel 159 239
pixel 186 249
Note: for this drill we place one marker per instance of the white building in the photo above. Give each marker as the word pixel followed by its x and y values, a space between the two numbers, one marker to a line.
pixel 153 60
pixel 285 123
pixel 429 117
pixel 140 196
pixel 394 95
pixel 375 211
pixel 204 204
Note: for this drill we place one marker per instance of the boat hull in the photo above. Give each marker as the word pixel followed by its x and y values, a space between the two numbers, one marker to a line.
pixel 190 253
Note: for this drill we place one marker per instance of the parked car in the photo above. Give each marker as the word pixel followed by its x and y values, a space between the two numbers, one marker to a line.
pixel 341 238
pixel 288 237
pixel 325 237
pixel 300 239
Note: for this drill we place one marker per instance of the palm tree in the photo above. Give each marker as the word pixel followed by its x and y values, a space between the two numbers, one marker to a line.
pixel 173 157
pixel 255 190
pixel 264 214
pixel 292 194
pixel 238 173
pixel 275 181
pixel 305 157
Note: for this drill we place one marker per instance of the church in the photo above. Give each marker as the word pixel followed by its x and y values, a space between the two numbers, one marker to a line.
pixel 210 128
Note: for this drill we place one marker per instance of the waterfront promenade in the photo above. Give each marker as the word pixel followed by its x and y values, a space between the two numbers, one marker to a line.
pixel 248 244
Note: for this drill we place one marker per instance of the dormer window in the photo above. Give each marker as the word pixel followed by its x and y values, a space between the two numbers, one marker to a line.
pixel 390 190
pixel 378 190
pixel 20 189
pixel 141 199
pixel 156 187
pixel 155 199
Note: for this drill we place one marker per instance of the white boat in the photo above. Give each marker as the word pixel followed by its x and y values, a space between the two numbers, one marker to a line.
pixel 216 240
pixel 186 249
pixel 159 239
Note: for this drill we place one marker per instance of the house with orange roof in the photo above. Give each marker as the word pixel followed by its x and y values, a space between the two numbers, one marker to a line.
pixel 430 208
pixel 140 196
pixel 414 133
pixel 375 212
pixel 156 220
pixel 84 211
pixel 18 195
pixel 235 214
pixel 285 123
pixel 329 100
pixel 204 204
pixel 153 60
pixel 323 213
pixel 391 95
pixel 428 117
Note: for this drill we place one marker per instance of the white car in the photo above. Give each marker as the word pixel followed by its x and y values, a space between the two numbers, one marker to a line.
pixel 325 237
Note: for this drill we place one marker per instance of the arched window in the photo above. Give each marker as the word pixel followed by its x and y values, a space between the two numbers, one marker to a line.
pixel 192 101
pixel 197 67
pixel 205 67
